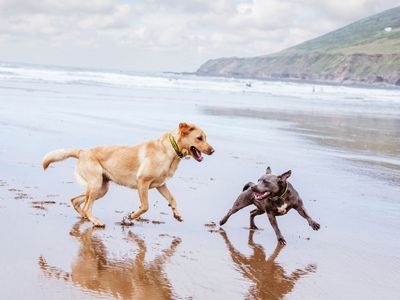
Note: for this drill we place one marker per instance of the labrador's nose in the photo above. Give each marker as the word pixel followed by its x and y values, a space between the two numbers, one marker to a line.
pixel 211 151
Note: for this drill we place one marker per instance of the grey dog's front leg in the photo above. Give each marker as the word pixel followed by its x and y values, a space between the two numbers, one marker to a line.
pixel 244 199
pixel 302 212
pixel 272 220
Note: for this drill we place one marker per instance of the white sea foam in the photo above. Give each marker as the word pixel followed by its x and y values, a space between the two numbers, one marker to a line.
pixel 23 72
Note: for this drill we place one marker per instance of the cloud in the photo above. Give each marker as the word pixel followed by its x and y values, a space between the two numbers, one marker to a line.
pixel 116 19
pixel 165 34
pixel 51 17
pixel 55 6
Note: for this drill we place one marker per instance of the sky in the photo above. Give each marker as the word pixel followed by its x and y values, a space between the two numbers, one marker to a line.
pixel 165 35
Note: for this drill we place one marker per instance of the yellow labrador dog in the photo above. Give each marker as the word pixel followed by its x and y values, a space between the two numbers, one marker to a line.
pixel 142 167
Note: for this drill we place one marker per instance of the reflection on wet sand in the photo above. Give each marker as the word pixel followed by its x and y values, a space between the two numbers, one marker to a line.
pixel 92 270
pixel 269 279
pixel 361 132
pixel 371 140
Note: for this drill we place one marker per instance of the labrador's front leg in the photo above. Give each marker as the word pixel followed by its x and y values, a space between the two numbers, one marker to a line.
pixel 164 191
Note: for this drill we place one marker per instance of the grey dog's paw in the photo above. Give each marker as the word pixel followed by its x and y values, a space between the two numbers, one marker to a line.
pixel 315 226
pixel 282 241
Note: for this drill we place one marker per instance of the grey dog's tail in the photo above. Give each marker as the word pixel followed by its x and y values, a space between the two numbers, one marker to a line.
pixel 248 185
pixel 58 155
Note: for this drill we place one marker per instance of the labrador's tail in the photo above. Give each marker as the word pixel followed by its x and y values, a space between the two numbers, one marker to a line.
pixel 58 155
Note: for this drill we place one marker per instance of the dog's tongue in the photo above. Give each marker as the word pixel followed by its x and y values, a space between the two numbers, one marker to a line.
pixel 258 194
pixel 197 154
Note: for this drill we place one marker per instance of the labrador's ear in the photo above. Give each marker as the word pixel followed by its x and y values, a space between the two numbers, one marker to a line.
pixel 185 128
pixel 268 171
pixel 285 175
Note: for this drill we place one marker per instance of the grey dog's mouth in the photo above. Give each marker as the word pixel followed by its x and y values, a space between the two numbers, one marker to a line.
pixel 260 196
pixel 196 153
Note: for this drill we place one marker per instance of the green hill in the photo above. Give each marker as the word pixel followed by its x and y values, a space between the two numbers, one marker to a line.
pixel 367 51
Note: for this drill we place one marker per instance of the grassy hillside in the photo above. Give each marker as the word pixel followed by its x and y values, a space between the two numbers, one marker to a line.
pixel 362 52
pixel 363 36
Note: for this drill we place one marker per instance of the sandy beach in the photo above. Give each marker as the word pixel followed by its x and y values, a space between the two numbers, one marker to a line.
pixel 341 143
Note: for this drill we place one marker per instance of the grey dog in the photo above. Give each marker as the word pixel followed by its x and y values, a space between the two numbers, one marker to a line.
pixel 272 195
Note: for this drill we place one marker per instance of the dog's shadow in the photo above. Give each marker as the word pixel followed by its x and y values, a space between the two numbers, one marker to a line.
pixel 269 278
pixel 94 271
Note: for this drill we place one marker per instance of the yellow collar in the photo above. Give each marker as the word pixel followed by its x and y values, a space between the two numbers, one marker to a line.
pixel 276 198
pixel 175 146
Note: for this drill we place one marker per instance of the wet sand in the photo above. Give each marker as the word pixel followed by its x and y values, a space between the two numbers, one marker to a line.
pixel 341 145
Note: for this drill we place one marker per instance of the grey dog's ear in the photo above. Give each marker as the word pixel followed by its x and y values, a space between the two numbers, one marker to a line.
pixel 285 175
pixel 268 171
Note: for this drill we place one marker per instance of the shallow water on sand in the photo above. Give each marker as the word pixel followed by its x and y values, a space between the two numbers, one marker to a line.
pixel 342 145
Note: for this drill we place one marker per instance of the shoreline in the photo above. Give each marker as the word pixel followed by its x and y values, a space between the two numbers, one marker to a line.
pixel 378 86
pixel 129 72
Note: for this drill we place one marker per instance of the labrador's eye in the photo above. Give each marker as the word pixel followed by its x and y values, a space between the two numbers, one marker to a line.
pixel 200 138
